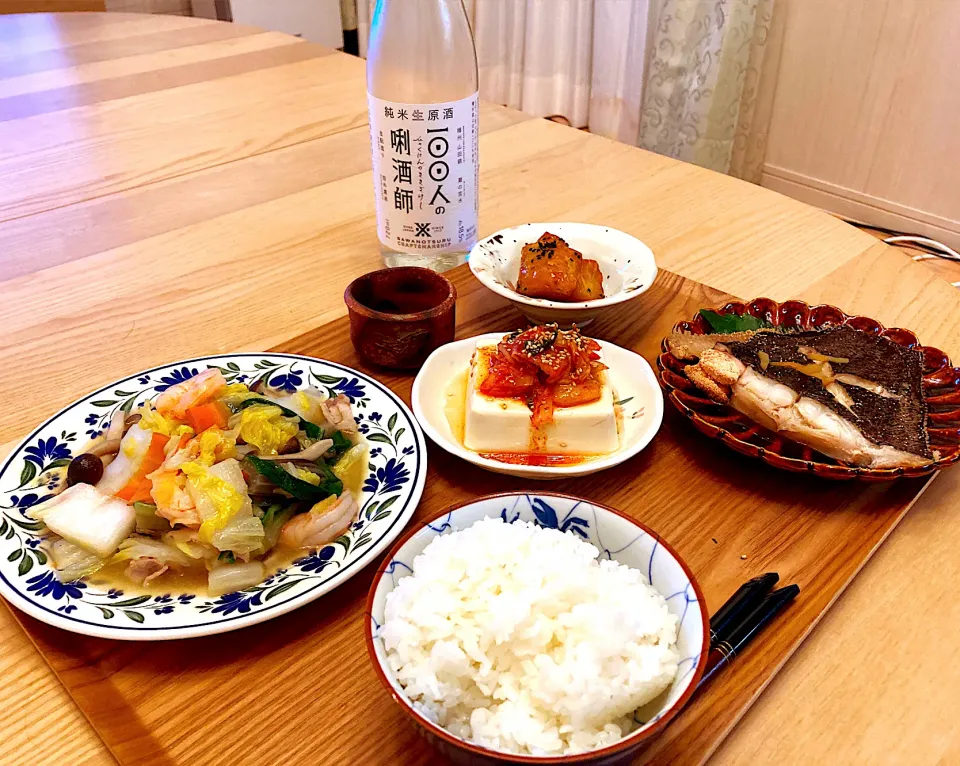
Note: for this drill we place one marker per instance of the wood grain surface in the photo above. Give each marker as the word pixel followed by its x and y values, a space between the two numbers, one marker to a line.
pixel 159 215
pixel 49 6
pixel 730 519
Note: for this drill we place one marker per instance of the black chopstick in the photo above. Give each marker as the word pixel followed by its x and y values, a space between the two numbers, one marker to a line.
pixel 739 605
pixel 743 633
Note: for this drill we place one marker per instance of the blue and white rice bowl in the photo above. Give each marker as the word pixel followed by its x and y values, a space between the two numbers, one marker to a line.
pixel 617 537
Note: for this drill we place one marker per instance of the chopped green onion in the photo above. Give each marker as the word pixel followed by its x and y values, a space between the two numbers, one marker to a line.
pixel 147 519
pixel 295 487
pixel 340 445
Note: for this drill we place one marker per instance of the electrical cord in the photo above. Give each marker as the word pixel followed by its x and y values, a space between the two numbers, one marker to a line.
pixel 930 248
pixel 941 250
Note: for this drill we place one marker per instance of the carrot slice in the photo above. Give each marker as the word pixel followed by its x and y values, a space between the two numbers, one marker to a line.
pixel 208 415
pixel 138 488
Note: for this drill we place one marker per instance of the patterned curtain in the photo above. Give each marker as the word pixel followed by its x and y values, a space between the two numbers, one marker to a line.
pixel 691 79
pixel 704 102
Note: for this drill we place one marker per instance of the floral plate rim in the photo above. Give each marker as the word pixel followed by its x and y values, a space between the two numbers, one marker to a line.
pixel 221 623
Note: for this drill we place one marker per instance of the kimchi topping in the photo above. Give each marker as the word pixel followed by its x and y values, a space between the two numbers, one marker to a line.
pixel 545 367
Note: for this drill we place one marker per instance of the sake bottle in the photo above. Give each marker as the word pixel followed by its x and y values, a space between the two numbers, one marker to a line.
pixel 422 89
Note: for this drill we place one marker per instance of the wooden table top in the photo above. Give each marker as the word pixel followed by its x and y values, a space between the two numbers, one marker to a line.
pixel 171 187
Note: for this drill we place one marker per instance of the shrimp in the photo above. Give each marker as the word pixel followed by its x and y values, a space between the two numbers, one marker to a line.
pixel 173 501
pixel 313 529
pixel 176 400
pixel 338 414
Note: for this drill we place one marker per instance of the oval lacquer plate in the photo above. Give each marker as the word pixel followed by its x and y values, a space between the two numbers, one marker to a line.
pixel 391 491
pixel 941 390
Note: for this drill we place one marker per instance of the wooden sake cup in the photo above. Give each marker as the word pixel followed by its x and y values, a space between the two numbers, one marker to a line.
pixel 399 316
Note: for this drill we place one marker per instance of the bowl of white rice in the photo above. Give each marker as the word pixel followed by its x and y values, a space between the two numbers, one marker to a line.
pixel 536 628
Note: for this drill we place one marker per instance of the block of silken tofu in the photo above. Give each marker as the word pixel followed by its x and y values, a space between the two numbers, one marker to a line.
pixel 503 425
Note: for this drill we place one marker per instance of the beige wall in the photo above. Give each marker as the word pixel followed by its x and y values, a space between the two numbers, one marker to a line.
pixel 866 117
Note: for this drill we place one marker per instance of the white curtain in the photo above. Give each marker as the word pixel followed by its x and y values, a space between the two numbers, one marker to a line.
pixel 679 77
pixel 583 60
pixel 710 83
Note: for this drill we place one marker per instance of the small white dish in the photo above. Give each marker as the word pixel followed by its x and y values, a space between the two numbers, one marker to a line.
pixel 627 264
pixel 634 383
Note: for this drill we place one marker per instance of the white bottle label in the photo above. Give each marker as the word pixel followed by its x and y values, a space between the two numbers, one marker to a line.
pixel 425 159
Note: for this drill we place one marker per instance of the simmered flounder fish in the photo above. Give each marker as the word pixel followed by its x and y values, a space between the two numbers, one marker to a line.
pixel 853 396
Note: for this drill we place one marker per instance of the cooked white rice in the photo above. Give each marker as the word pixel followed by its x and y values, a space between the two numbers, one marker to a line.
pixel 517 638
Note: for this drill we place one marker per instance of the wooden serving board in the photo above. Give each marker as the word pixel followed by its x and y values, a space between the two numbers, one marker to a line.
pixel 300 688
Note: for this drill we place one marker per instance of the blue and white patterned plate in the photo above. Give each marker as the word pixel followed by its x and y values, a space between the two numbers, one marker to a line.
pixel 398 467
pixel 617 537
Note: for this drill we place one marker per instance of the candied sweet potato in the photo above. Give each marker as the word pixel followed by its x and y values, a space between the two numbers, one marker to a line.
pixel 549 268
pixel 589 283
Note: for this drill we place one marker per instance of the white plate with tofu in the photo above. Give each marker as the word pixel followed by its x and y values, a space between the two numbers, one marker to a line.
pixel 65 552
pixel 496 433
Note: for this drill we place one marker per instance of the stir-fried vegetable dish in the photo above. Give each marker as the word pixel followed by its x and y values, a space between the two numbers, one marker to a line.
pixel 209 477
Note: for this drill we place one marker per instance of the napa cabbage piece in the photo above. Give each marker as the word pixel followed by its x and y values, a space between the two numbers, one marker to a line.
pixel 242 536
pixel 137 547
pixel 310 430
pixel 302 473
pixel 71 561
pixel 88 518
pixel 352 467
pixel 234 394
pixel 305 403
pixel 151 420
pixel 134 447
pixel 215 445
pixel 188 543
pixel 265 427
pixel 227 578
pixel 220 494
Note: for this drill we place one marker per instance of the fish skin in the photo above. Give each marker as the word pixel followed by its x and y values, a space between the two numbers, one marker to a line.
pixel 685 345
pixel 899 421
pixel 779 408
